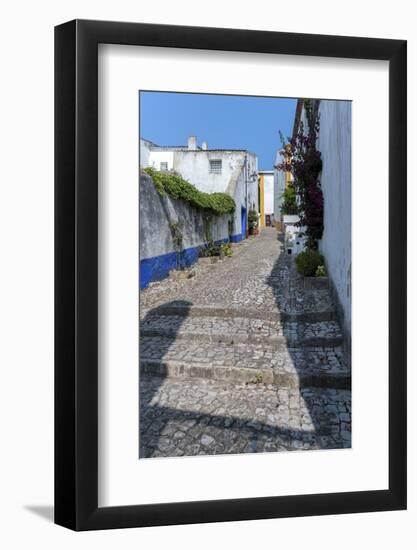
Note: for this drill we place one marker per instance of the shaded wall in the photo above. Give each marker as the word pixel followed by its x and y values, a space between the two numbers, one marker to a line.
pixel 279 187
pixel 334 142
pixel 158 252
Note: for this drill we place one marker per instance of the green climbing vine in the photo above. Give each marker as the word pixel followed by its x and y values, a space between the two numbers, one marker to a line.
pixel 178 240
pixel 172 184
pixel 176 232
pixel 209 248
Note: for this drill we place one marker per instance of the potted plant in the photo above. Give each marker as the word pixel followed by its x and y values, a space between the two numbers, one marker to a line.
pixel 310 263
pixel 252 221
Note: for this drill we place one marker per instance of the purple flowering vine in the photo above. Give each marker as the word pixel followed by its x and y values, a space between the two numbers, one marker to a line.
pixel 303 160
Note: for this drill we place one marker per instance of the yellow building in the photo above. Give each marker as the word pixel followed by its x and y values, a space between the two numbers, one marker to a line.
pixel 266 198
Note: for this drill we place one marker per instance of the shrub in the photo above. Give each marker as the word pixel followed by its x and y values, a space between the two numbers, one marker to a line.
pixel 172 184
pixel 209 250
pixel 253 217
pixel 226 249
pixel 308 261
pixel 212 249
pixel 289 201
pixel 321 271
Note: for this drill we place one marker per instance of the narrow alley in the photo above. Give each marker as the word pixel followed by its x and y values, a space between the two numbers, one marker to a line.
pixel 241 358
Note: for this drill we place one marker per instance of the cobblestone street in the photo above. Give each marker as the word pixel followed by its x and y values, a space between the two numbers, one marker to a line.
pixel 241 358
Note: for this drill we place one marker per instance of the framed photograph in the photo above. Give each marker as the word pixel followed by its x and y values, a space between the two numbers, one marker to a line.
pixel 230 255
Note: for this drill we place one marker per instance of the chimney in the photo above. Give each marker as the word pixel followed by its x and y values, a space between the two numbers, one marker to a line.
pixel 204 146
pixel 192 143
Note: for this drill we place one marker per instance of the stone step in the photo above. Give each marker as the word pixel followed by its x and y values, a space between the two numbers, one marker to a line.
pixel 248 313
pixel 233 330
pixel 190 417
pixel 244 362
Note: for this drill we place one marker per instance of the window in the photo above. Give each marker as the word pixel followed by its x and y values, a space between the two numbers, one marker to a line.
pixel 215 166
pixel 163 166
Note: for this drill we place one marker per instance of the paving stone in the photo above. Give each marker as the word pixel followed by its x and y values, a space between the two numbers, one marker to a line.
pixel 256 276
pixel 241 358
pixel 247 428
pixel 237 329
pixel 261 363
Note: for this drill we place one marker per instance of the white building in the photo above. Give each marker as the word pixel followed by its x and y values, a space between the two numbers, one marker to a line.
pixel 232 171
pixel 144 152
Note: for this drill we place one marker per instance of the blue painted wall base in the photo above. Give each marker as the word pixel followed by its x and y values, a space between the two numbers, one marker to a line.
pixel 243 222
pixel 236 238
pixel 158 267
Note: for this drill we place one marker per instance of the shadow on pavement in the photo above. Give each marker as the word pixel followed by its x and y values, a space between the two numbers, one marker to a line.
pixel 331 421
pixel 170 428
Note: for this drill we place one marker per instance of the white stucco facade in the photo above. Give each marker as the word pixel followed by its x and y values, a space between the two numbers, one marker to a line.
pixel 268 193
pixel 334 142
pixel 144 152
pixel 161 160
pixel 212 171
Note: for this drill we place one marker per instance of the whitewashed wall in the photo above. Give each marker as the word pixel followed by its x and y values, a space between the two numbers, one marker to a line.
pixel 144 153
pixel 194 166
pixel 279 185
pixel 334 142
pixel 156 213
pixel 269 193
pixel 237 189
pixel 238 176
pixel 156 157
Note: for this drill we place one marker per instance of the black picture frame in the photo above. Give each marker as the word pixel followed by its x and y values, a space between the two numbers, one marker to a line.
pixel 76 272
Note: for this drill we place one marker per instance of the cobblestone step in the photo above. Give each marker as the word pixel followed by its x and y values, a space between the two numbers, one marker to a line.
pixel 188 417
pixel 239 311
pixel 244 362
pixel 233 330
pixel 212 382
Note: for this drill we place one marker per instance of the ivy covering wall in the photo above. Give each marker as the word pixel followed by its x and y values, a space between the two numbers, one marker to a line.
pixel 173 185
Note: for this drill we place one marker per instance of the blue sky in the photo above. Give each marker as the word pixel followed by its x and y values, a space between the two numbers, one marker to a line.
pixel 235 122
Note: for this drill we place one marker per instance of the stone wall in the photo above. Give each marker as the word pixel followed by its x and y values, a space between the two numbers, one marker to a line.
pixel 158 254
